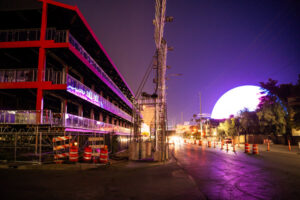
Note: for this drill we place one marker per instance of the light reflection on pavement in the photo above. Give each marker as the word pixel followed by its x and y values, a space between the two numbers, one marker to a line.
pixel 227 175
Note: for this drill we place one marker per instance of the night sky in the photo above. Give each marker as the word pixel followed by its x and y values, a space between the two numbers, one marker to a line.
pixel 218 45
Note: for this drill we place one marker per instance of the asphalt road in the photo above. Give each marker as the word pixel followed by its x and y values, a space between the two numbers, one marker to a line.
pixel 227 175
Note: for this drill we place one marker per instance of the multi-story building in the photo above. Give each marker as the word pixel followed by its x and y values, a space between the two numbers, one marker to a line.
pixel 57 79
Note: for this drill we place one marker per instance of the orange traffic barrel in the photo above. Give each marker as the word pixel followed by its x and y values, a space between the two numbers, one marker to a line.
pixel 209 143
pixel 73 156
pixel 103 155
pixel 247 148
pixel 200 143
pixel 254 149
pixel 87 154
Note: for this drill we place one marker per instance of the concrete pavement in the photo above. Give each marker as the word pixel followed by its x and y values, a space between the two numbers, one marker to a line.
pixel 122 180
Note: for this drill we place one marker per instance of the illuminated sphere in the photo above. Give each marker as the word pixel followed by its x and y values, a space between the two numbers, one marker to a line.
pixel 235 100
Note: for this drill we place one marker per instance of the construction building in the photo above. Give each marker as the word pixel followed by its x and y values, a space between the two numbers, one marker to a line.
pixel 56 79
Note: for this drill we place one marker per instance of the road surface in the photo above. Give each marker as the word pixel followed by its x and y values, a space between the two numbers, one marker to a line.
pixel 227 175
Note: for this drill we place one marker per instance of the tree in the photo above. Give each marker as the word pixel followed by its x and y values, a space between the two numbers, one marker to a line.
pixel 285 95
pixel 249 122
pixel 272 118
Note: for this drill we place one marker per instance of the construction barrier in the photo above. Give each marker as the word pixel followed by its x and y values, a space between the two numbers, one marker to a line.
pixel 73 157
pixel 103 155
pixel 59 156
pixel 209 144
pixel 61 151
pixel 247 148
pixel 254 149
pixel 87 154
pixel 61 138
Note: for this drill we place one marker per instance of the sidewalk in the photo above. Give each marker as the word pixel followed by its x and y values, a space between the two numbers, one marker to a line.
pixel 122 180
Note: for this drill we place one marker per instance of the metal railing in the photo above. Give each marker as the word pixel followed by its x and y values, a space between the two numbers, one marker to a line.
pixel 90 60
pixel 74 121
pixel 32 117
pixel 60 36
pixel 18 75
pixel 29 75
pixel 56 77
pixel 25 117
pixel 79 89
pixel 73 86
pixel 33 34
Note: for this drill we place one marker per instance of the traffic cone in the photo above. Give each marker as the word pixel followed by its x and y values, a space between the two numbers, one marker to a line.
pixel 289 145
pixel 268 149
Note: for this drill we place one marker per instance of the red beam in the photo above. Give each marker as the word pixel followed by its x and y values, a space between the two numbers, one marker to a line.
pixel 26 44
pixel 33 85
pixel 55 3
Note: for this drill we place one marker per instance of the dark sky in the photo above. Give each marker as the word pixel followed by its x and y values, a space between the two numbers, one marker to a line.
pixel 218 45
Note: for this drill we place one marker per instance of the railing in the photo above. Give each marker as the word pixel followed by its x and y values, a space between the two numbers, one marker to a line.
pixel 60 36
pixel 90 60
pixel 25 117
pixel 31 117
pixel 29 75
pixel 79 89
pixel 18 75
pixel 74 121
pixel 73 86
pixel 56 77
pixel 32 34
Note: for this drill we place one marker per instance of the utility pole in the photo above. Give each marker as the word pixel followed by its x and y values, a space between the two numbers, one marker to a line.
pixel 200 114
pixel 161 51
pixel 182 118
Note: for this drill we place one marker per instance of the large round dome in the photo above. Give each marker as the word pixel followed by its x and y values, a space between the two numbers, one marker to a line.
pixel 235 100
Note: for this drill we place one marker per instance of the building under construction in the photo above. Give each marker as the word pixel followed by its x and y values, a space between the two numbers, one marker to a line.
pixel 56 79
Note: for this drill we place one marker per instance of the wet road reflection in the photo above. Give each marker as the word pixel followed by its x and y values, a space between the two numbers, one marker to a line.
pixel 225 175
